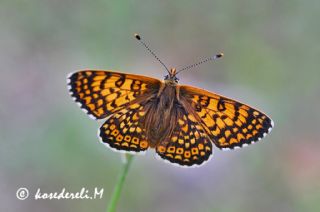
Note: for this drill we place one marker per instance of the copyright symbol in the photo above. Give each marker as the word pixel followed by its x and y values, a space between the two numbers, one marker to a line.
pixel 22 193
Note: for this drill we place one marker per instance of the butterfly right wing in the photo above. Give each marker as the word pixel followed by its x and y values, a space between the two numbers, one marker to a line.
pixel 188 145
pixel 229 123
pixel 100 93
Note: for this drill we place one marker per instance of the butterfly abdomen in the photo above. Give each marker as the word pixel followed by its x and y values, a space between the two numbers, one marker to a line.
pixel 161 116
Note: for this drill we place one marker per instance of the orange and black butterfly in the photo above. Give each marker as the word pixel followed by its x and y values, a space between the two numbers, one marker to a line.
pixel 181 122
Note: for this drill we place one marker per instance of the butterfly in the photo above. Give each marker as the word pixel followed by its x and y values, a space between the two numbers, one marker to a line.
pixel 182 123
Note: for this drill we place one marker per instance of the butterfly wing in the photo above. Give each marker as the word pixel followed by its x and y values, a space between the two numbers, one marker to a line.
pixel 123 131
pixel 229 124
pixel 188 145
pixel 101 93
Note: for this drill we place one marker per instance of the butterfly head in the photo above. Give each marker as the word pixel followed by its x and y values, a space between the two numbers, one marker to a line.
pixel 171 77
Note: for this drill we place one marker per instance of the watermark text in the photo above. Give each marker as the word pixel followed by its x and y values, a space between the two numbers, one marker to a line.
pixel 83 193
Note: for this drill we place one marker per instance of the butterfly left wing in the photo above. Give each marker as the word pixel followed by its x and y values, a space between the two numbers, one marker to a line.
pixel 100 93
pixel 229 124
pixel 123 132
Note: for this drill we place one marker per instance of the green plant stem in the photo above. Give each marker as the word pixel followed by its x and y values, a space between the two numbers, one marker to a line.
pixel 118 187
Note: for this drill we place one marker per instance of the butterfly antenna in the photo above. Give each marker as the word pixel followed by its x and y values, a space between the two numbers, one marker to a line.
pixel 147 47
pixel 217 56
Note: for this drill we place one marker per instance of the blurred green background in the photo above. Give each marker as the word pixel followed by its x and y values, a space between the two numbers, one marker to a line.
pixel 271 62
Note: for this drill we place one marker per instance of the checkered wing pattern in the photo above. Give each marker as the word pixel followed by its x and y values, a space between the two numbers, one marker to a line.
pixel 188 145
pixel 229 124
pixel 101 93
pixel 123 131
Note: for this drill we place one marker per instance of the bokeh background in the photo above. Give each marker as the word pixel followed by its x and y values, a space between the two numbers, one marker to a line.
pixel 271 62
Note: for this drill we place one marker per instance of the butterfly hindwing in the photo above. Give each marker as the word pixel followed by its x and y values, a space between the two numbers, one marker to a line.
pixel 188 144
pixel 101 93
pixel 123 131
pixel 229 124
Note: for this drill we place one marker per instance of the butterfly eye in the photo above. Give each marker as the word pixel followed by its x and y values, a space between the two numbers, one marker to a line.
pixel 166 77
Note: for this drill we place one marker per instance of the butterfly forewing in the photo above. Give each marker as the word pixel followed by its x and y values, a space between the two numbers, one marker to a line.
pixel 101 93
pixel 229 123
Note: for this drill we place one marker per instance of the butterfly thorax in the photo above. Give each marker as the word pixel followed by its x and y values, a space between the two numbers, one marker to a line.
pixel 161 116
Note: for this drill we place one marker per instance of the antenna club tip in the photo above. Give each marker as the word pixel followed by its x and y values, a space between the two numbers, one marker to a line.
pixel 220 55
pixel 137 36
